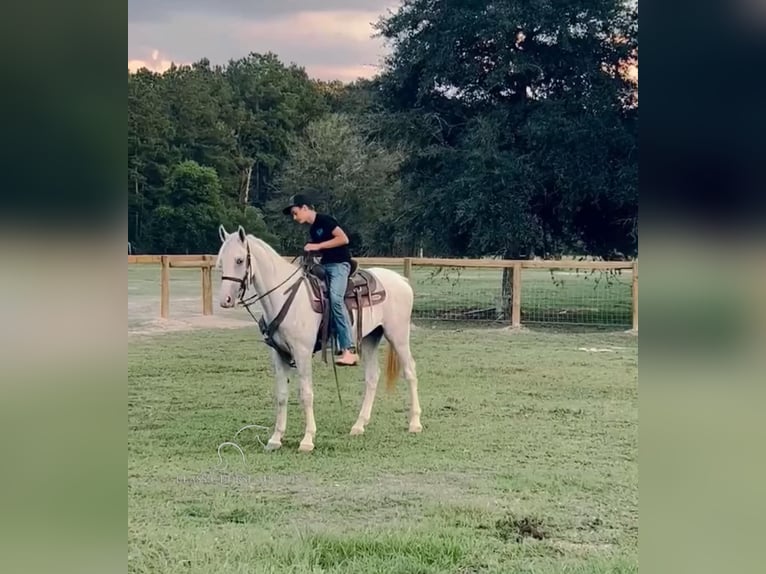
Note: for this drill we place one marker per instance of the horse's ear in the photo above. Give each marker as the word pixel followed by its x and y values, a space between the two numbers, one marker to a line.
pixel 222 233
pixel 242 233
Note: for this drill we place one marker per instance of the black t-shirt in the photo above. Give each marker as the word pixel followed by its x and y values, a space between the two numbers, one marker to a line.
pixel 321 230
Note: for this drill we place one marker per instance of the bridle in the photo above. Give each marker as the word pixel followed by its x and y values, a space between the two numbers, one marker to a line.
pixel 244 279
pixel 243 282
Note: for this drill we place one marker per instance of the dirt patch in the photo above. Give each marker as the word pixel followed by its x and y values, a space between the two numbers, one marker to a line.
pixel 562 412
pixel 161 326
pixel 512 528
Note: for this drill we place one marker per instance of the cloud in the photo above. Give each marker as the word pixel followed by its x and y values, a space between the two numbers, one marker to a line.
pixel 164 10
pixel 330 44
pixel 155 63
pixel 342 73
pixel 317 38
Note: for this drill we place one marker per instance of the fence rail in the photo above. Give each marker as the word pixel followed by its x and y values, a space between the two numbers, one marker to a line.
pixel 539 302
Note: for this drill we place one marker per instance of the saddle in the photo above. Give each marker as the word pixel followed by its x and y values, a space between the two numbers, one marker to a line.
pixel 362 290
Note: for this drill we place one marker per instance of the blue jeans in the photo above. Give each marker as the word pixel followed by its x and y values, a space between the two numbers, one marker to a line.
pixel 337 278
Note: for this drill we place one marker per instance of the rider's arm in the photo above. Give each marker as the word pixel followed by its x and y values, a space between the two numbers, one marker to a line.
pixel 339 238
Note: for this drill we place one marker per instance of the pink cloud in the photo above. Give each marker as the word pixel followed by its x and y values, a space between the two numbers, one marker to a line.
pixel 154 62
pixel 336 44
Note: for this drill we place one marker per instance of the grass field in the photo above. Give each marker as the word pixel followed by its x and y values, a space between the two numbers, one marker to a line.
pixel 566 298
pixel 527 461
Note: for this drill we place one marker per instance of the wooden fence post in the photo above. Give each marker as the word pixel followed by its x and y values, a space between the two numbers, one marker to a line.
pixel 408 268
pixel 165 287
pixel 207 286
pixel 634 296
pixel 516 296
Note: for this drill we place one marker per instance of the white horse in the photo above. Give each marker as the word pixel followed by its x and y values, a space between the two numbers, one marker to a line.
pixel 246 261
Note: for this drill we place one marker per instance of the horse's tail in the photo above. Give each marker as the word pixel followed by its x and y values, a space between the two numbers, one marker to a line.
pixel 392 368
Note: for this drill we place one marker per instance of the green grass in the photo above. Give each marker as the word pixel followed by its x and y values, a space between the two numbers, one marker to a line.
pixel 566 298
pixel 524 435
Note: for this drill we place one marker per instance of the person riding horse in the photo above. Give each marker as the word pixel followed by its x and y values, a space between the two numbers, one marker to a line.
pixel 329 239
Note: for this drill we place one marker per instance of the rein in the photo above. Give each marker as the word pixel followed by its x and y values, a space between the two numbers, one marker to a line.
pixel 269 330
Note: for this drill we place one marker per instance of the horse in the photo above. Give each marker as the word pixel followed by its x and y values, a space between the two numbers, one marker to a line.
pixel 283 289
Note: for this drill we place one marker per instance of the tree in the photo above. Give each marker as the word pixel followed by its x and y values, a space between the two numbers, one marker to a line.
pixel 521 122
pixel 149 151
pixel 271 103
pixel 191 211
pixel 236 121
pixel 352 177
pixel 196 101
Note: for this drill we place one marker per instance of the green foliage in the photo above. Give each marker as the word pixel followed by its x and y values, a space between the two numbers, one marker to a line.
pixel 506 128
pixel 191 209
pixel 189 184
pixel 523 133
pixel 252 219
pixel 271 103
pixel 349 176
pixel 235 121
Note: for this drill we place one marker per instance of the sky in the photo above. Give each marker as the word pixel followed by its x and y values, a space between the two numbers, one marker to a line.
pixel 331 39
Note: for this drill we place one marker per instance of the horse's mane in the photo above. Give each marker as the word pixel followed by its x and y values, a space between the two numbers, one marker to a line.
pixel 264 245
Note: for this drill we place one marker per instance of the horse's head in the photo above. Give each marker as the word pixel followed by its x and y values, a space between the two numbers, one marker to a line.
pixel 234 262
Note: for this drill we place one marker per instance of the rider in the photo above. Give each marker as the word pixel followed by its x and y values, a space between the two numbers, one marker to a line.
pixel 328 238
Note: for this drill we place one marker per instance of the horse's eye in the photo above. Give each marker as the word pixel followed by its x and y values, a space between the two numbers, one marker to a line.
pixel 240 261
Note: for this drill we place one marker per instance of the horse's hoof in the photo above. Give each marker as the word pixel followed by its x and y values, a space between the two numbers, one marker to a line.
pixel 416 428
pixel 272 446
pixel 304 447
pixel 356 431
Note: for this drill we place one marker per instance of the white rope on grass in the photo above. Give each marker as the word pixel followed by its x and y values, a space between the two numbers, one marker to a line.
pixel 235 445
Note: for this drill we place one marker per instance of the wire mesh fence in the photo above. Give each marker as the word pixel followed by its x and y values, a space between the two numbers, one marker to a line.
pixel 461 294
pixel 575 297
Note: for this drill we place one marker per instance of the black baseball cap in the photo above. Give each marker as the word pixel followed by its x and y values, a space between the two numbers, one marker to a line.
pixel 297 200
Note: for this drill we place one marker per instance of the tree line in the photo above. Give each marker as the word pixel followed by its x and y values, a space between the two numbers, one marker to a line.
pixel 493 129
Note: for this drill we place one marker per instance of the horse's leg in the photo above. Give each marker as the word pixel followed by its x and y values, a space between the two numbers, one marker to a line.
pixel 400 341
pixel 303 363
pixel 280 392
pixel 369 349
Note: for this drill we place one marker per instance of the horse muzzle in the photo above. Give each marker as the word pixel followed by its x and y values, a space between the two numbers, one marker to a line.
pixel 227 302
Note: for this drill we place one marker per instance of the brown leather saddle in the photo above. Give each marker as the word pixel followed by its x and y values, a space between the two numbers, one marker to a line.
pixel 363 290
